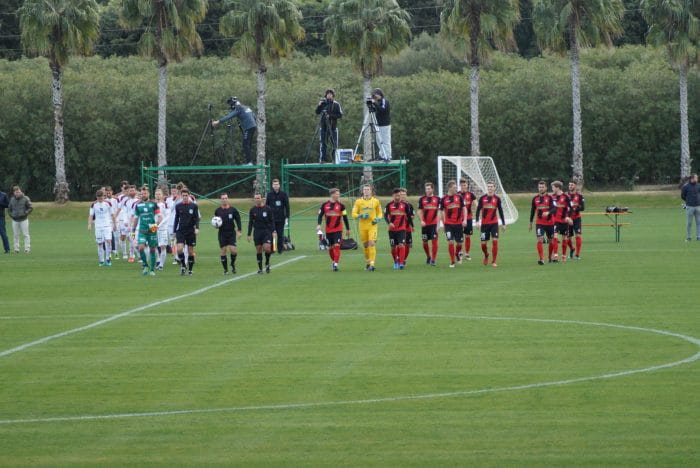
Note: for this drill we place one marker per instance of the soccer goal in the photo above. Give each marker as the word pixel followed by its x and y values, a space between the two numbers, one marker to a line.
pixel 478 170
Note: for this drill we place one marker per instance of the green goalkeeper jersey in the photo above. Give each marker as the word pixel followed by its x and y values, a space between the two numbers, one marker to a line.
pixel 146 213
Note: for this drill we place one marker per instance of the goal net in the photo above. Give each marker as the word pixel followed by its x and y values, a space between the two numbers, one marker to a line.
pixel 478 170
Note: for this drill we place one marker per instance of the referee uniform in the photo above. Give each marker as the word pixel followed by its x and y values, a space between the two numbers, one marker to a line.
pixel 261 223
pixel 278 201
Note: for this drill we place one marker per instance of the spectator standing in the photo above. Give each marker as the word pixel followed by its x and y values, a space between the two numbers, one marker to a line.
pixel 690 193
pixel 20 207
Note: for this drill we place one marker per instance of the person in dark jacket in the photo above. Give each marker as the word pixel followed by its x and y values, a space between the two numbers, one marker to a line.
pixel 383 113
pixel 4 203
pixel 20 206
pixel 690 193
pixel 246 120
pixel 330 111
pixel 279 202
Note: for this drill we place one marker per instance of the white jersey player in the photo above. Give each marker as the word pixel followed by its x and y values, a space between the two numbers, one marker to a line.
pixel 163 232
pixel 109 197
pixel 102 215
pixel 126 210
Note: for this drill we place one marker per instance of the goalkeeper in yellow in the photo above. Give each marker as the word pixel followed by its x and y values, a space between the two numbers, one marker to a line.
pixel 368 210
pixel 144 224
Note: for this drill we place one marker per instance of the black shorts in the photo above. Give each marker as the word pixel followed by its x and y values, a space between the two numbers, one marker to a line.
pixel 334 237
pixel 469 228
pixel 262 237
pixel 575 230
pixel 227 238
pixel 544 230
pixel 186 238
pixel 489 231
pixel 429 233
pixel 454 232
pixel 562 228
pixel 409 238
pixel 397 238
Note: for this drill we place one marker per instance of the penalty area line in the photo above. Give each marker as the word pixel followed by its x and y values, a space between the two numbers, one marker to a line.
pixel 136 310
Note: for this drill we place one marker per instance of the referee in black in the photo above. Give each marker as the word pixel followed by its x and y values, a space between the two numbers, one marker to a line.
pixel 186 226
pixel 262 219
pixel 229 231
pixel 279 202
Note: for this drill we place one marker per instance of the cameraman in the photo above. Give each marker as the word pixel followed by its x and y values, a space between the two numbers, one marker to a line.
pixel 246 120
pixel 330 112
pixel 381 106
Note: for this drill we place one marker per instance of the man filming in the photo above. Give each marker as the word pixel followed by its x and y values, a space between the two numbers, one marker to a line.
pixel 381 108
pixel 246 120
pixel 330 112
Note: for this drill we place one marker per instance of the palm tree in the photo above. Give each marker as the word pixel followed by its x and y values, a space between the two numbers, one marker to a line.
pixel 562 25
pixel 57 29
pixel 675 24
pixel 471 29
pixel 367 31
pixel 266 30
pixel 169 34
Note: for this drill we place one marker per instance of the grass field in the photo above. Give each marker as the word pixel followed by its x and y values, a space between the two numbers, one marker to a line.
pixel 426 366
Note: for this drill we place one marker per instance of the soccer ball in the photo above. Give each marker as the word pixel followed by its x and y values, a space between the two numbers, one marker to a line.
pixel 216 222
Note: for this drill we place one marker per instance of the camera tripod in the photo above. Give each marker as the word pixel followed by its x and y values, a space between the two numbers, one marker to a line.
pixel 325 128
pixel 370 124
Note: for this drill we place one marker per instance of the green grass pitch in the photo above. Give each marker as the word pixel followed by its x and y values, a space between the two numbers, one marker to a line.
pixel 427 366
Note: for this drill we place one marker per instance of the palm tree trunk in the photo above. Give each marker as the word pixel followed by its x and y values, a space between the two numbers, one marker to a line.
pixel 367 144
pixel 474 87
pixel 474 107
pixel 577 158
pixel 162 108
pixel 685 145
pixel 61 187
pixel 262 120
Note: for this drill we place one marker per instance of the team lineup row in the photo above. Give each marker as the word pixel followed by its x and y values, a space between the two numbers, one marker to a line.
pixel 172 223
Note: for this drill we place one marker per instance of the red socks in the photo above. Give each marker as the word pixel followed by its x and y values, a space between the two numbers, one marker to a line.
pixel 563 247
pixel 540 250
pixel 451 249
pixel 551 248
pixel 459 249
pixel 494 248
pixel 485 249
pixel 426 249
pixel 435 247
pixel 554 244
pixel 401 251
pixel 579 241
pixel 468 244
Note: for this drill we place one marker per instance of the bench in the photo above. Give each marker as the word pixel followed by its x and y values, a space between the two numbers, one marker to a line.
pixel 614 221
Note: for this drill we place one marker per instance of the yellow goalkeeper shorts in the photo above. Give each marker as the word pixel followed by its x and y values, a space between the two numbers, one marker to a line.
pixel 367 235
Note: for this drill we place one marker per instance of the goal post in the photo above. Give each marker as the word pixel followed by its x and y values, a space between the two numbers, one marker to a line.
pixel 478 170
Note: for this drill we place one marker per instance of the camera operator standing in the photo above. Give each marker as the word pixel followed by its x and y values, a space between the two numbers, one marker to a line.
pixel 246 120
pixel 381 105
pixel 330 112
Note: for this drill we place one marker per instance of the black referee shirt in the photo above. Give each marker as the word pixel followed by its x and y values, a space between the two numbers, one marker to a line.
pixel 279 202
pixel 261 218
pixel 186 218
pixel 230 218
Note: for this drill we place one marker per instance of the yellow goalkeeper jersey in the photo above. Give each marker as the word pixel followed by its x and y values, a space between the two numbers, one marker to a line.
pixel 371 207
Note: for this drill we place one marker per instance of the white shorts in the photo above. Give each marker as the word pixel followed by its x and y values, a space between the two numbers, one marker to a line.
pixel 103 234
pixel 124 228
pixel 163 237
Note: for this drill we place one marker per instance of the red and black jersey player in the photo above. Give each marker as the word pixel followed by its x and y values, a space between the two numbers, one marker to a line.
pixel 335 216
pixel 396 216
pixel 578 204
pixel 454 216
pixel 469 199
pixel 410 227
pixel 489 210
pixel 543 208
pixel 562 219
pixel 429 215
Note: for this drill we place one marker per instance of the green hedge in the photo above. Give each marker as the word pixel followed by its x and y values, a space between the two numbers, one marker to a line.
pixel 629 97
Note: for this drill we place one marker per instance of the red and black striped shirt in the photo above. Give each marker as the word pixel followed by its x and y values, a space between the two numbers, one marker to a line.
pixel 335 215
pixel 396 213
pixel 489 209
pixel 562 204
pixel 453 207
pixel 468 198
pixel 430 207
pixel 542 207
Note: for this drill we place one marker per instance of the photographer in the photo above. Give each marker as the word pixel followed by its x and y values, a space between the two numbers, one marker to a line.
pixel 246 120
pixel 381 107
pixel 330 112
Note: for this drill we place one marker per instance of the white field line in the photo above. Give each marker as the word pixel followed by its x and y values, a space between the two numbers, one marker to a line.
pixel 129 312
pixel 390 399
